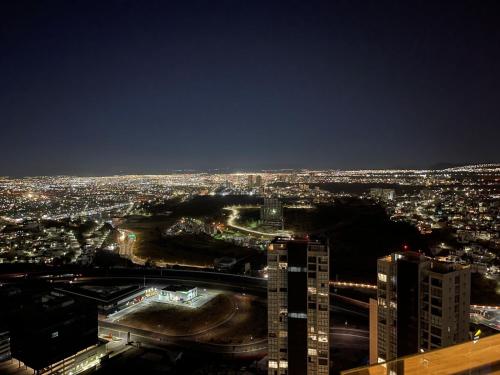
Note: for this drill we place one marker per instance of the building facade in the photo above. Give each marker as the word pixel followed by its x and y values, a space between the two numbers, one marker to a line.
pixel 51 332
pixel 384 195
pixel 298 306
pixel 271 213
pixel 178 293
pixel 422 304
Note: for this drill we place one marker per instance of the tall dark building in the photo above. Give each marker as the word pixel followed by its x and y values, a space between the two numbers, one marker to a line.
pixel 422 304
pixel 50 330
pixel 258 181
pixel 298 307
pixel 250 181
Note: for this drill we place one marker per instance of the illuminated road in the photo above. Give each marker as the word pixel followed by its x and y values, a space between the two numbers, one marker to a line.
pixel 349 284
pixel 126 243
pixel 234 215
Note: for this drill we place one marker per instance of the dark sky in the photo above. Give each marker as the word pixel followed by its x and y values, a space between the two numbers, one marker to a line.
pixel 102 87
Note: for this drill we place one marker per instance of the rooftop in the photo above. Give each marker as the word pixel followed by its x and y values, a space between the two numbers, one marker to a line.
pixel 446 267
pixel 107 294
pixel 178 288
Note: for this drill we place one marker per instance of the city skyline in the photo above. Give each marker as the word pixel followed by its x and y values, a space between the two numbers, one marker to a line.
pixel 257 187
pixel 239 264
pixel 93 88
pixel 255 172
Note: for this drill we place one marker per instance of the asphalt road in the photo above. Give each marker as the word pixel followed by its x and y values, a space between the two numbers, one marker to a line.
pixel 259 347
pixel 349 338
pixel 355 336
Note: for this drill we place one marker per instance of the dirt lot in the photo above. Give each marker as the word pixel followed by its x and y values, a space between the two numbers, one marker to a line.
pixel 226 319
pixel 247 325
pixel 177 320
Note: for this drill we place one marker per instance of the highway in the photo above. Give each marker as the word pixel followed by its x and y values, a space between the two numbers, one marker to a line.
pixel 353 285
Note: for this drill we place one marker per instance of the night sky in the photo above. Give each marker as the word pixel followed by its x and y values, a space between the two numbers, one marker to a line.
pixel 104 87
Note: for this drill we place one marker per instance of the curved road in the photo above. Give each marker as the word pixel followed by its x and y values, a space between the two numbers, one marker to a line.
pixel 340 336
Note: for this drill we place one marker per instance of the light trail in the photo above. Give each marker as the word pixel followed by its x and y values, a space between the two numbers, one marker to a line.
pixel 348 284
pixel 234 215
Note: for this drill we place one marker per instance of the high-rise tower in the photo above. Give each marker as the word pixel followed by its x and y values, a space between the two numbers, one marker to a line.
pixel 422 304
pixel 298 306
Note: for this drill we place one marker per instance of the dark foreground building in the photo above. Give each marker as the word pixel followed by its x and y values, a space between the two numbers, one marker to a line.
pixel 52 332
pixel 109 299
pixel 423 304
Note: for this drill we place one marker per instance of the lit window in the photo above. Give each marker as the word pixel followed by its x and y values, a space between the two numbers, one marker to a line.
pixel 312 352
pixel 380 360
pixel 297 269
pixel 382 277
pixel 283 333
pixel 297 315
pixel 323 338
pixel 283 364
pixel 273 364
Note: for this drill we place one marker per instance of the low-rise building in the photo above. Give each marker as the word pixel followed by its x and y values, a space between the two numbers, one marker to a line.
pixel 178 293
